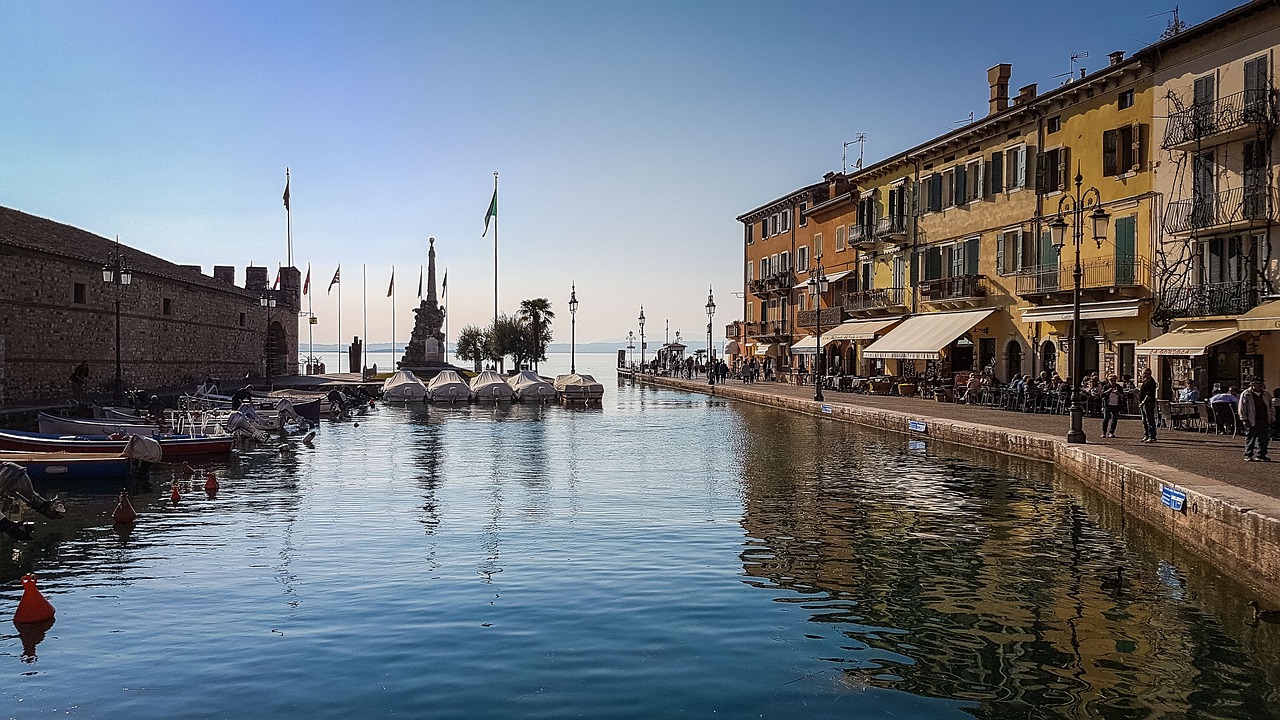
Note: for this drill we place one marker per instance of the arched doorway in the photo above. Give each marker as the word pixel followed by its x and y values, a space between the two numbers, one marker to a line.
pixel 1048 356
pixel 1012 360
pixel 275 351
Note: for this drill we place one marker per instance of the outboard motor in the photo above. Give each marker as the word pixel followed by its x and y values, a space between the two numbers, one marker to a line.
pixel 14 482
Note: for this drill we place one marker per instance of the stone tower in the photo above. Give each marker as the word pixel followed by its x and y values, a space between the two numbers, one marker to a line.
pixel 426 344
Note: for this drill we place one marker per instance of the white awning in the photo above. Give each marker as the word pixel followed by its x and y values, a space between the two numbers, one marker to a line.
pixel 862 329
pixel 1188 340
pixel 1088 311
pixel 923 337
pixel 1264 317
pixel 769 349
pixel 809 345
pixel 732 348
pixel 831 277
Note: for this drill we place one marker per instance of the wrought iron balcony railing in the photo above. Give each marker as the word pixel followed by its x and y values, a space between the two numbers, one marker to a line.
pixel 831 317
pixel 959 287
pixel 1207 300
pixel 891 227
pixel 1095 273
pixel 861 236
pixel 772 283
pixel 1222 208
pixel 1204 120
pixel 766 329
pixel 876 299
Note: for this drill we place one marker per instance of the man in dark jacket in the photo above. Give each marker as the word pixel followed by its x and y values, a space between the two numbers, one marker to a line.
pixel 1147 404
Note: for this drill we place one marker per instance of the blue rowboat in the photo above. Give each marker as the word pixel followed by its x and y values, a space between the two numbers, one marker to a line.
pixel 70 466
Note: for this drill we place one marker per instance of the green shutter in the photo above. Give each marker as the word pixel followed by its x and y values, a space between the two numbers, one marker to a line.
pixel 971 256
pixel 933 264
pixel 1110 142
pixel 1126 250
pixel 1000 266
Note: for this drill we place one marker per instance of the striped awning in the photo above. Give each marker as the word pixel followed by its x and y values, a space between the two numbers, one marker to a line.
pixel 809 344
pixel 862 329
pixel 1264 317
pixel 923 337
pixel 1088 311
pixel 1189 340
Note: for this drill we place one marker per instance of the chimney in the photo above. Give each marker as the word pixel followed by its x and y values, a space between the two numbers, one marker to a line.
pixel 998 76
pixel 1026 94
pixel 255 278
pixel 225 273
pixel 1117 57
pixel 193 268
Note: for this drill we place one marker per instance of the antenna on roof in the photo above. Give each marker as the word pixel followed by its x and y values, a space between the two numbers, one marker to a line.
pixel 966 121
pixel 1070 74
pixel 1175 26
pixel 861 141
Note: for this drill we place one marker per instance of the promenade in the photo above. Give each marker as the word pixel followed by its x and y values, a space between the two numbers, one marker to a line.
pixel 1232 511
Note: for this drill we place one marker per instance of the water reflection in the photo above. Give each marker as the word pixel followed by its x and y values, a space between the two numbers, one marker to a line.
pixel 954 580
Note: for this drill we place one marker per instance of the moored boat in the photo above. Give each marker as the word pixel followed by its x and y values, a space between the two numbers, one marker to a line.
pixel 172 445
pixel 61 425
pixel 71 466
pixel 579 387
pixel 404 386
pixel 489 385
pixel 448 386
pixel 528 385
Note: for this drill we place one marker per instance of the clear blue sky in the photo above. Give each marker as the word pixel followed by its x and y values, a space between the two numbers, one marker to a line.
pixel 628 135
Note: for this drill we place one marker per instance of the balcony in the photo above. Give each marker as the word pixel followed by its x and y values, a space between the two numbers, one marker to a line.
pixel 862 237
pixel 768 331
pixel 1101 279
pixel 831 317
pixel 1229 117
pixel 891 229
pixel 1238 206
pixel 955 290
pixel 1208 300
pixel 778 283
pixel 872 302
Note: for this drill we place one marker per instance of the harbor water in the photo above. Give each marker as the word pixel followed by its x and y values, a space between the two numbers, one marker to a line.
pixel 664 555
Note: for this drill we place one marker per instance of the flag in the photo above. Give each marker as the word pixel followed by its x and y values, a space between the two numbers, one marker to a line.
pixel 286 189
pixel 493 212
pixel 306 284
pixel 419 281
pixel 334 281
pixel 444 286
pixel 276 286
pixel 392 287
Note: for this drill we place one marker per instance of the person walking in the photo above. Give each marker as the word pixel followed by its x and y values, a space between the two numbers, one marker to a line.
pixel 1147 405
pixel 1112 397
pixel 1256 412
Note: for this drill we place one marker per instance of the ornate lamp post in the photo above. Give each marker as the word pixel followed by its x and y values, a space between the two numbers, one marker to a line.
pixel 573 327
pixel 711 312
pixel 641 320
pixel 268 302
pixel 118 273
pixel 1099 220
pixel 817 286
pixel 631 347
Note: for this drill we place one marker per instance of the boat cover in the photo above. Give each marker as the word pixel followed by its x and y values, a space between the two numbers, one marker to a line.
pixel 579 386
pixel 404 385
pixel 489 385
pixel 527 384
pixel 447 385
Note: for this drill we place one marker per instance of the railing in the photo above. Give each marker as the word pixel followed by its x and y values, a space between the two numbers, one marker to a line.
pixel 1229 298
pixel 1096 273
pixel 861 235
pixel 877 299
pixel 1203 120
pixel 954 288
pixel 782 280
pixel 891 226
pixel 768 328
pixel 831 317
pixel 1222 208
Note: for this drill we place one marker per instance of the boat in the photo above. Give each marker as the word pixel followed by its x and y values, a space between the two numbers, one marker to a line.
pixel 489 385
pixel 311 406
pixel 71 466
pixel 528 385
pixel 64 425
pixel 579 387
pixel 404 386
pixel 171 445
pixel 448 386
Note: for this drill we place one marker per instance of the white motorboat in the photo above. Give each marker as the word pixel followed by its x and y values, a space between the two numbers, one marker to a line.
pixel 404 386
pixel 528 385
pixel 579 387
pixel 489 385
pixel 448 386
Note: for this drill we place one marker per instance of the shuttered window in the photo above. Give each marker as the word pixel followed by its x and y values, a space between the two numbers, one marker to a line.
pixel 935 192
pixel 971 248
pixel 1126 249
pixel 996 179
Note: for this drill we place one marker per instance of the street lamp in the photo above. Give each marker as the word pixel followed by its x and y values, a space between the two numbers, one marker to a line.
pixel 118 273
pixel 573 326
pixel 817 286
pixel 1099 220
pixel 268 302
pixel 631 347
pixel 642 337
pixel 711 311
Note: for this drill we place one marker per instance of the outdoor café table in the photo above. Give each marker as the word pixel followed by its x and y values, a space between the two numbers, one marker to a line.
pixel 1180 412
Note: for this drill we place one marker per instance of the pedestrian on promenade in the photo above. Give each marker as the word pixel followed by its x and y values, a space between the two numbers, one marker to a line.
pixel 1275 423
pixel 1147 405
pixel 1112 403
pixel 1256 412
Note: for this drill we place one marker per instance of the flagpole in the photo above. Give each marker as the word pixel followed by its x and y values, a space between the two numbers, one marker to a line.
pixel 340 318
pixel 288 212
pixel 393 314
pixel 364 347
pixel 495 252
pixel 311 351
pixel 444 297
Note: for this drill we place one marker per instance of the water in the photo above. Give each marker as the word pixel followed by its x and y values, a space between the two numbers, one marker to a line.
pixel 666 555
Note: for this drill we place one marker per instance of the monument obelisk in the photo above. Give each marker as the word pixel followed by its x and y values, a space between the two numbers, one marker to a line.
pixel 426 344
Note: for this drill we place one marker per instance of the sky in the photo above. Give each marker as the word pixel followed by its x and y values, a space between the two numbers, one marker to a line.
pixel 627 136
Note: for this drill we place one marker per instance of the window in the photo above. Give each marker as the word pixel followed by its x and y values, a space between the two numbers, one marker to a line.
pixel 751 233
pixel 764 268
pixel 840 238
pixel 949 188
pixel 78 291
pixel 1256 90
pixel 1122 150
pixel 1052 170
pixel 898 204
pixel 1125 100
pixel 751 266
pixel 935 193
pixel 1009 252
pixel 764 228
pixel 241 319
pixel 867 276
pixel 786 220
pixel 804 207
pixel 1054 124
pixel 996 179
pixel 784 262
pixel 166 306
pixel 1015 168
pixel 974 176
pixel 802 258
pixel 817 246
pixel 751 312
pixel 867 213
pixel 1255 180
pixel 1126 249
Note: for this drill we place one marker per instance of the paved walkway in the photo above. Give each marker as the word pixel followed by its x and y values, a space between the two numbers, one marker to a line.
pixel 1212 456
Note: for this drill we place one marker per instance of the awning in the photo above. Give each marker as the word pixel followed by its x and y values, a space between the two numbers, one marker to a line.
pixel 831 277
pixel 862 329
pixel 809 345
pixel 1264 317
pixel 922 337
pixel 1188 340
pixel 1088 311
pixel 732 348
pixel 769 349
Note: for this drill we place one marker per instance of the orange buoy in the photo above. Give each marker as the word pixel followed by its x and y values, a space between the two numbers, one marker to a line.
pixel 211 483
pixel 32 608
pixel 175 496
pixel 187 471
pixel 125 514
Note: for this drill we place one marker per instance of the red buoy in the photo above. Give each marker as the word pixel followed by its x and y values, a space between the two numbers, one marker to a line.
pixel 125 514
pixel 175 496
pixel 211 483
pixel 32 608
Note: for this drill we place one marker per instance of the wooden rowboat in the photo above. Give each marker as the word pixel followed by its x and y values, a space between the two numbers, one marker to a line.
pixel 172 445
pixel 70 466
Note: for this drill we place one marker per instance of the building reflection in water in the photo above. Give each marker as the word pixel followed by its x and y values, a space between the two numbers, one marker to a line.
pixel 979 582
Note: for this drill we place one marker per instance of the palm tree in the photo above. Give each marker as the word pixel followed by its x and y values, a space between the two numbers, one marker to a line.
pixel 538 314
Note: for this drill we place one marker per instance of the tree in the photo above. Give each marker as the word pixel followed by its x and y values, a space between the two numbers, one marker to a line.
pixel 473 345
pixel 507 337
pixel 537 315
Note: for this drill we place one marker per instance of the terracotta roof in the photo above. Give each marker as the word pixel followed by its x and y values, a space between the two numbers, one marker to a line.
pixel 22 230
